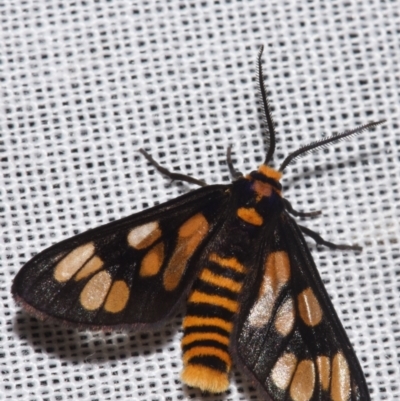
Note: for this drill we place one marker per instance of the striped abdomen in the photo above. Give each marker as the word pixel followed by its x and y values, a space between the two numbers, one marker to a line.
pixel 208 324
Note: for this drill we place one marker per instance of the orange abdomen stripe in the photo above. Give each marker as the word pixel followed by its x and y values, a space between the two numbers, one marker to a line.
pixel 192 337
pixel 231 263
pixel 195 321
pixel 207 351
pixel 216 300
pixel 220 281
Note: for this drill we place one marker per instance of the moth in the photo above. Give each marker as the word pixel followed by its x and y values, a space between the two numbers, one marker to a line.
pixel 236 256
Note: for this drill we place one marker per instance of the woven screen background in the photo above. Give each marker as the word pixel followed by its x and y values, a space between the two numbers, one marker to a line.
pixel 85 84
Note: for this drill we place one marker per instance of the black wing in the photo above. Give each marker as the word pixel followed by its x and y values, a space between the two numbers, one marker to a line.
pixel 289 338
pixel 131 272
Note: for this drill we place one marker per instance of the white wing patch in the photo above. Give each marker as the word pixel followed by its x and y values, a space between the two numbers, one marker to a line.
pixel 299 378
pixel 71 263
pixel 95 291
pixel 145 235
pixel 283 370
pixel 277 274
pixel 101 291
pixel 285 317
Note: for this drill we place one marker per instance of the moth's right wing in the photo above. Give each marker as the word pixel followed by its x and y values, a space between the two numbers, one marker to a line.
pixel 289 338
pixel 131 272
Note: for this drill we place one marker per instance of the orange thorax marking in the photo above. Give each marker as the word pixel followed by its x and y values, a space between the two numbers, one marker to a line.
pixel 262 189
pixel 250 216
pixel 270 172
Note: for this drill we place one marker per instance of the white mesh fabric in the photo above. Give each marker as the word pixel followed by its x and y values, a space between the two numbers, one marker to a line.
pixel 85 84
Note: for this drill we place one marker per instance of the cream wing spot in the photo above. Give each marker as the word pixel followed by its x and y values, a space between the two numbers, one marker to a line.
pixel 340 384
pixel 95 291
pixel 145 235
pixel 302 386
pixel 276 275
pixel 284 320
pixel 72 262
pixel 309 308
pixel 283 369
pixel 117 297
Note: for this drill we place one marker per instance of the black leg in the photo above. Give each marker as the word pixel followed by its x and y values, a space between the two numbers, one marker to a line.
pixel 234 173
pixel 289 208
pixel 173 176
pixel 319 240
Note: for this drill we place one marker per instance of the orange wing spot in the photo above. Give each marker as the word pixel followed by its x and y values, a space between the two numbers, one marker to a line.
pixel 72 262
pixel 302 386
pixel 198 297
pixel 309 308
pixel 220 281
pixel 340 384
pixel 190 338
pixel 117 297
pixel 190 235
pixel 207 351
pixel 283 370
pixel 231 263
pixel 324 371
pixel 145 235
pixel 195 321
pixel 276 275
pixel 152 261
pixel 191 226
pixel 250 216
pixel 92 266
pixel 270 172
pixel 95 291
pixel 206 379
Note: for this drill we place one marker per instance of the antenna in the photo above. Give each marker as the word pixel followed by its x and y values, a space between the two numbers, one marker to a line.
pixel 267 110
pixel 324 142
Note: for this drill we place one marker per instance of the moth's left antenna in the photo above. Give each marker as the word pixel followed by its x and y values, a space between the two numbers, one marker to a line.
pixel 267 111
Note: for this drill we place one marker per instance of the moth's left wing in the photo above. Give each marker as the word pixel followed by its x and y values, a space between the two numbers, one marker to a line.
pixel 289 338
pixel 131 272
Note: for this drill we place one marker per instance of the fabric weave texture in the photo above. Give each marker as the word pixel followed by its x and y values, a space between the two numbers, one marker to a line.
pixel 86 84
